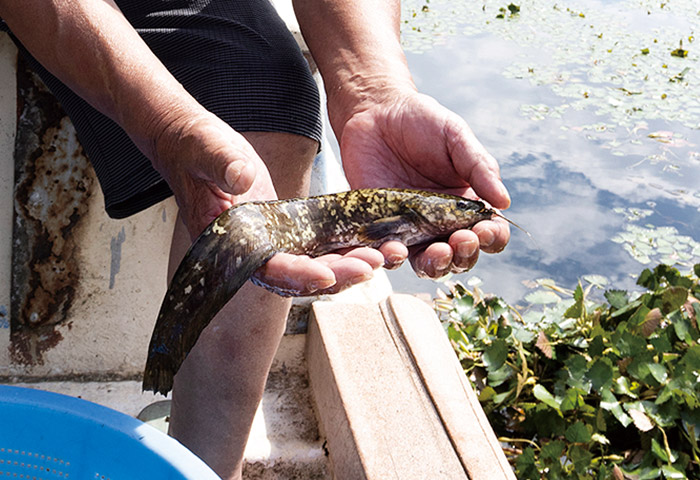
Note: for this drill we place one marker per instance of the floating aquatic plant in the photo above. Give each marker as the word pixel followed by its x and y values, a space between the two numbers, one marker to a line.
pixel 579 385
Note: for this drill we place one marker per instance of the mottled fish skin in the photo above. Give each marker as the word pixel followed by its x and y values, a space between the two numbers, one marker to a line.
pixel 245 237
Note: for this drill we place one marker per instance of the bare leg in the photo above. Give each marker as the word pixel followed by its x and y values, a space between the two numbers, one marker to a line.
pixel 219 386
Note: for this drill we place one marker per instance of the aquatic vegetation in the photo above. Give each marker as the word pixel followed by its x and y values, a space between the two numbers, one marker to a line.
pixel 579 385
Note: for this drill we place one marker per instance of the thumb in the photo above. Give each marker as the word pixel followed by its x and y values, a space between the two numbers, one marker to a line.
pixel 227 159
pixel 238 177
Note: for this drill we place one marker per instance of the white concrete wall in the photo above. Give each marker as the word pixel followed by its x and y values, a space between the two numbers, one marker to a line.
pixel 123 267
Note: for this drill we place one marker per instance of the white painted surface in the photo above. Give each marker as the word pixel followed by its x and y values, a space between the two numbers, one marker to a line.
pixel 8 120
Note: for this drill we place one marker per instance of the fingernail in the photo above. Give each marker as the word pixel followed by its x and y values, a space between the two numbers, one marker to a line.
pixel 466 249
pixel 504 192
pixel 360 278
pixel 320 285
pixel 233 172
pixel 486 238
pixel 442 263
pixel 393 261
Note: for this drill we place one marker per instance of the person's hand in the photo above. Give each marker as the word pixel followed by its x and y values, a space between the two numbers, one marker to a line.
pixel 409 140
pixel 210 167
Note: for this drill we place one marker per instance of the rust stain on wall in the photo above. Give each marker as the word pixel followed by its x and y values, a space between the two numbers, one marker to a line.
pixel 52 185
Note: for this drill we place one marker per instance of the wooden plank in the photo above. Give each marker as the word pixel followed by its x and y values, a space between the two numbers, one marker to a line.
pixel 378 420
pixel 449 389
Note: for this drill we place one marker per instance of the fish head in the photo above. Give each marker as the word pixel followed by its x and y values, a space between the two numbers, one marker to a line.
pixel 443 214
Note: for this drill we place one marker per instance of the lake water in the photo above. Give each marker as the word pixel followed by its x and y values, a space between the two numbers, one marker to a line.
pixel 593 111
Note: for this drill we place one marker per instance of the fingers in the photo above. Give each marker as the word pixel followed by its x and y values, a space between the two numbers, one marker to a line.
pixel 461 252
pixel 300 275
pixel 493 235
pixel 395 253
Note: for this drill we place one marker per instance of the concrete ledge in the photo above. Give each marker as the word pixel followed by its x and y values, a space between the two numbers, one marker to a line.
pixel 392 399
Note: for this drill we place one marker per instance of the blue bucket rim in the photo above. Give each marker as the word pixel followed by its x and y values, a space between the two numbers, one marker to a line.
pixel 168 448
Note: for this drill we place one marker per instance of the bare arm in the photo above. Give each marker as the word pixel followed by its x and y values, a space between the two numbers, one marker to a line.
pixel 392 136
pixel 91 47
pixel 357 48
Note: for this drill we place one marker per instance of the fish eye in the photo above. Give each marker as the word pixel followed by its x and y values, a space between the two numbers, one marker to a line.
pixel 462 205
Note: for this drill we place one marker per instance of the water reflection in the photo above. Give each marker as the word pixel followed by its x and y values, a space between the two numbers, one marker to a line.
pixel 571 167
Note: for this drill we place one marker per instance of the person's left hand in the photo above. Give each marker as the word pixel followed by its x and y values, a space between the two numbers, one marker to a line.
pixel 408 140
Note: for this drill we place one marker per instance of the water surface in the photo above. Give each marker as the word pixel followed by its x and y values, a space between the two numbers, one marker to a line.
pixel 593 111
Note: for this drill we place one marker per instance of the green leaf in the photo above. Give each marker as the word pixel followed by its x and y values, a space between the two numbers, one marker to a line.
pixel 504 331
pixel 649 473
pixel 639 315
pixel 610 403
pixel 497 377
pixel 665 394
pixel 682 327
pixel 673 298
pixel 577 366
pixel 639 367
pixel 648 280
pixel 495 354
pixel 691 359
pixel 552 450
pixel 600 423
pixel 660 452
pixel 525 465
pixel 661 344
pixel 572 400
pixel 501 397
pixel 581 458
pixel 616 298
pixel 601 374
pixel 672 472
pixel 578 433
pixel 622 387
pixel 631 345
pixel 627 308
pixel 576 310
pixel 596 347
pixel 659 372
pixel 486 394
pixel 543 395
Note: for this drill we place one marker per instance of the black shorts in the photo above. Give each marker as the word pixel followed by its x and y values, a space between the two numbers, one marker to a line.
pixel 237 58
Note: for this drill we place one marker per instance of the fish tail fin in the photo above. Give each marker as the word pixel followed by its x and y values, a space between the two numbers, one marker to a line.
pixel 212 272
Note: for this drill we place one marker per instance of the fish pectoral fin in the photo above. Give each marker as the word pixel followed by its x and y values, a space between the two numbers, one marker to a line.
pixel 388 228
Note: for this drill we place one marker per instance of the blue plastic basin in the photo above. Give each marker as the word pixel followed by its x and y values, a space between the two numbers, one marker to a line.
pixel 47 436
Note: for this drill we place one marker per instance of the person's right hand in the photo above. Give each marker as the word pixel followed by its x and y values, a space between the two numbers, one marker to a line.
pixel 211 167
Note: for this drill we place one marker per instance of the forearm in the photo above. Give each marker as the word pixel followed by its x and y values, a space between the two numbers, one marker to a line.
pixel 90 46
pixel 357 48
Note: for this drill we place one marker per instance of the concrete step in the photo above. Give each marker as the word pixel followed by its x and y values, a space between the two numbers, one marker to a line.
pixel 284 442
